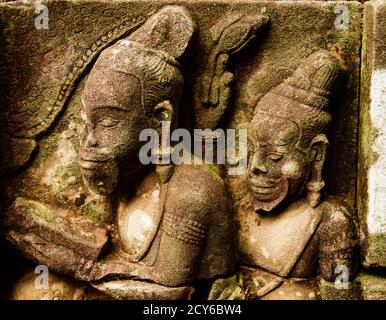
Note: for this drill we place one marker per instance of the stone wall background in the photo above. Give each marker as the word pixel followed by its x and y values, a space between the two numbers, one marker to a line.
pixel 42 74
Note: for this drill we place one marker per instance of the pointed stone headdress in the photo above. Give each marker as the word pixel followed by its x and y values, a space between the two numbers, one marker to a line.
pixel 306 96
pixel 152 54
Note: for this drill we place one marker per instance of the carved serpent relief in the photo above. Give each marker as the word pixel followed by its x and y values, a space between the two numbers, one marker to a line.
pixel 107 226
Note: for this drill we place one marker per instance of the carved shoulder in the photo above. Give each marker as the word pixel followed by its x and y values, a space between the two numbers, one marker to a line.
pixel 338 229
pixel 196 226
pixel 197 193
pixel 338 239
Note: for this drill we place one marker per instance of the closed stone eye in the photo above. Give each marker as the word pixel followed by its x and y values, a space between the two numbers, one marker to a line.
pixel 275 157
pixel 108 122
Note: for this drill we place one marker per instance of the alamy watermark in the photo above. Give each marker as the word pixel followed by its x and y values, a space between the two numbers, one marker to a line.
pixel 206 146
pixel 42 277
pixel 343 18
pixel 41 20
pixel 343 277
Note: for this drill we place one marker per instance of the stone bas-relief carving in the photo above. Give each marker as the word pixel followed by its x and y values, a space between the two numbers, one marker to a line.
pixel 172 223
pixel 289 231
pixel 77 200
pixel 229 36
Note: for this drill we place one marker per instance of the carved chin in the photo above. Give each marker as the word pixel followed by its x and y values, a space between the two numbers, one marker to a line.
pixel 267 201
pixel 101 180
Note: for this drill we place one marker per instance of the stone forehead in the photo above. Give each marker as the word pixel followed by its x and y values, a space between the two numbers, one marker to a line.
pixel 286 108
pixel 273 128
pixel 106 87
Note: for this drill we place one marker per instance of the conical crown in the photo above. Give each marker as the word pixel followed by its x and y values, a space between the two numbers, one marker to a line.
pixel 305 97
pixel 314 82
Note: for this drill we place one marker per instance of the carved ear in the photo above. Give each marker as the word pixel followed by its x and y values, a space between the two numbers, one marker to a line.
pixel 318 150
pixel 162 121
pixel 163 111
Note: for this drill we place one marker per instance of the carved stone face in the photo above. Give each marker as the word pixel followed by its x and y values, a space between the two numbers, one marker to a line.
pixel 277 169
pixel 113 118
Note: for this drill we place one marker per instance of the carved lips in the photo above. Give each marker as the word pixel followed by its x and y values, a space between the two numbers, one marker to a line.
pixel 88 161
pixel 90 164
pixel 268 193
pixel 263 186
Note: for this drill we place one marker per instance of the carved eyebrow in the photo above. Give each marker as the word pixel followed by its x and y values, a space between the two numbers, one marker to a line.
pixel 258 143
pixel 115 107
pixel 281 149
pixel 281 142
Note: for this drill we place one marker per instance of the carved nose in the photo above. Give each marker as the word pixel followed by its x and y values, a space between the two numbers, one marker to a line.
pixel 258 165
pixel 90 139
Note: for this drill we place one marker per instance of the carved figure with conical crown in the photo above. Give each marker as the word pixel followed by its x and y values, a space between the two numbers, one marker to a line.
pixel 292 234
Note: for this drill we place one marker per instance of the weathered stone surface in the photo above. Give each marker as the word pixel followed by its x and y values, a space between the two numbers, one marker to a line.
pixel 163 231
pixel 57 289
pixel 134 290
pixel 35 87
pixel 272 60
pixel 29 287
pixel 372 286
pixel 268 60
pixel 287 225
pixel 329 291
pixel 75 97
pixel 371 195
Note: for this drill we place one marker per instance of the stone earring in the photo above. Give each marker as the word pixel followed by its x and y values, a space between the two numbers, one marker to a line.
pixel 164 170
pixel 164 166
pixel 314 188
